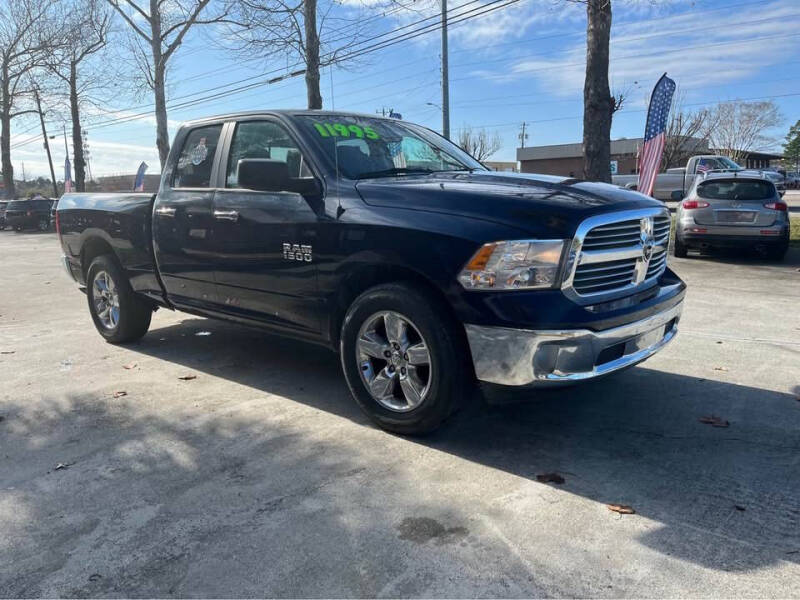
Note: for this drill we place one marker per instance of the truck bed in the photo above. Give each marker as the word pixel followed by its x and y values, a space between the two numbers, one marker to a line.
pixel 122 222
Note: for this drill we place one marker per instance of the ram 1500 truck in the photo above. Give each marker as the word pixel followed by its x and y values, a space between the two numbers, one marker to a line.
pixel 675 183
pixel 387 243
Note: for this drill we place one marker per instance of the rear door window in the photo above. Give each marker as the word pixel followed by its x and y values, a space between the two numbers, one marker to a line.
pixel 736 190
pixel 197 158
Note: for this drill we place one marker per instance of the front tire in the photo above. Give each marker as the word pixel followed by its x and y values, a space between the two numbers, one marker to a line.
pixel 119 314
pixel 404 358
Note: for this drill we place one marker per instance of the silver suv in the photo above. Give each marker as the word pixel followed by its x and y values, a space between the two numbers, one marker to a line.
pixel 731 210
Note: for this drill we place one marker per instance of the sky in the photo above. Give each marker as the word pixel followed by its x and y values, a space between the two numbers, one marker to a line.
pixel 520 63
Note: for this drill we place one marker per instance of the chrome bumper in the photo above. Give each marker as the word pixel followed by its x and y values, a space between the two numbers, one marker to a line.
pixel 523 357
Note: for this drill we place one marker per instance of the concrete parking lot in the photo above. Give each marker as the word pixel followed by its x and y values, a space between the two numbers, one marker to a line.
pixel 260 477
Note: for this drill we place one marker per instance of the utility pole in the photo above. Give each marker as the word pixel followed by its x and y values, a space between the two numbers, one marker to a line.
pixel 46 143
pixel 445 76
pixel 523 136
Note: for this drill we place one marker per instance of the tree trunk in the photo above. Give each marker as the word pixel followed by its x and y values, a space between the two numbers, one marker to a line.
pixel 159 82
pixel 598 105
pixel 312 54
pixel 77 134
pixel 5 138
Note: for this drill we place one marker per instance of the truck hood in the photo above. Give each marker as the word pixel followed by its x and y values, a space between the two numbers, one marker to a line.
pixel 540 205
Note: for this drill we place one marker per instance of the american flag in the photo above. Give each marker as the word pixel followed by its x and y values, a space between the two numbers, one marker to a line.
pixel 654 133
pixel 67 176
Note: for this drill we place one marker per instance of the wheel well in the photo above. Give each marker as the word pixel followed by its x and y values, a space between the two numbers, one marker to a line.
pixel 92 248
pixel 370 276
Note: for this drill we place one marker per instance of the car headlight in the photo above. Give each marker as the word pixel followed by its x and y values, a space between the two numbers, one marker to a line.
pixel 514 265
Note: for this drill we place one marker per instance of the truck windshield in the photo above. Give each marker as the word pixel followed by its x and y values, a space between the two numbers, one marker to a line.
pixel 363 147
pixel 736 190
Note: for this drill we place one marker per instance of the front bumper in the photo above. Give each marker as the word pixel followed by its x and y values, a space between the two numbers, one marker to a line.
pixel 524 357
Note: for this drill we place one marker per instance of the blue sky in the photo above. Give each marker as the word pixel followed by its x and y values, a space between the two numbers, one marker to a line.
pixel 524 62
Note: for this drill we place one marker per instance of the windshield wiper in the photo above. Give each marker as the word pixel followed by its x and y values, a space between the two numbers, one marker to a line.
pixel 392 171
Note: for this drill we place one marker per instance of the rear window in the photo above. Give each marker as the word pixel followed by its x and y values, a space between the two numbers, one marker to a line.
pixel 196 158
pixel 736 190
pixel 17 205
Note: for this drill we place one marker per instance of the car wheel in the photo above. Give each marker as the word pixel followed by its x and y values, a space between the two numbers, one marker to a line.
pixel 679 248
pixel 119 314
pixel 18 228
pixel 777 253
pixel 44 225
pixel 404 358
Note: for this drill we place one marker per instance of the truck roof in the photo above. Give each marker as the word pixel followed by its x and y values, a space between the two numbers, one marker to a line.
pixel 291 112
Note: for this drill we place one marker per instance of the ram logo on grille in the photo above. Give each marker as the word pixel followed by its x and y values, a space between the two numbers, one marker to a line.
pixel 620 255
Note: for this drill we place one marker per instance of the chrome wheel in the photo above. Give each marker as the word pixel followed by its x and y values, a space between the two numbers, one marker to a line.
pixel 106 300
pixel 394 361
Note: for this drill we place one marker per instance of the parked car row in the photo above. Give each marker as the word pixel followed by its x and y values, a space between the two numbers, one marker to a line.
pixel 33 213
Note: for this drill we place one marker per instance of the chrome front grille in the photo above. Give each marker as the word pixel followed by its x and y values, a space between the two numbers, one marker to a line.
pixel 617 253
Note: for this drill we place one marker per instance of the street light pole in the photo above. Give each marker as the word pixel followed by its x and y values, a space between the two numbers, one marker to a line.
pixel 46 144
pixel 445 76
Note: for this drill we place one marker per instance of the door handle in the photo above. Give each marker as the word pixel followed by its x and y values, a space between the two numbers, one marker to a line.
pixel 165 211
pixel 226 215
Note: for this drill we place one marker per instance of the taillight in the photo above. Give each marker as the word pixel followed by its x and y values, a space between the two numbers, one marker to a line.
pixel 692 204
pixel 776 206
pixel 30 213
pixel 58 224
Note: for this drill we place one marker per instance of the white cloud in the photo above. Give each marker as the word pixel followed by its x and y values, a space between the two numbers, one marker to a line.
pixel 697 51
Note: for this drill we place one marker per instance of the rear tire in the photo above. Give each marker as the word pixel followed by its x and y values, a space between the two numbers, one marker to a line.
pixel 777 253
pixel 404 358
pixel 679 248
pixel 119 314
pixel 44 225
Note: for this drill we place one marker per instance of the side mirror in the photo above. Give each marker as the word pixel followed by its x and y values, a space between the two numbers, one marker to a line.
pixel 267 175
pixel 676 195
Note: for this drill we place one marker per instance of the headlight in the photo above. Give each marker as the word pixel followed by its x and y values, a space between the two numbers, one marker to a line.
pixel 514 265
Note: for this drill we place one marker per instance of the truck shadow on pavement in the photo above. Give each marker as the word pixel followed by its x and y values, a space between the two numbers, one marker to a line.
pixel 221 501
pixel 726 496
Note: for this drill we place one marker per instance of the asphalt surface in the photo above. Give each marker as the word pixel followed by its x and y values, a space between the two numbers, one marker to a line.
pixel 260 477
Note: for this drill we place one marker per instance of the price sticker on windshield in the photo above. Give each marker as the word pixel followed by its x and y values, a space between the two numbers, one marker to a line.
pixel 343 130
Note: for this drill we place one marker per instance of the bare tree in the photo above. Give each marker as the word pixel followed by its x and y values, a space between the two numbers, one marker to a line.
pixel 738 127
pixel 686 134
pixel 163 28
pixel 296 29
pixel 478 144
pixel 86 25
pixel 27 36
pixel 598 103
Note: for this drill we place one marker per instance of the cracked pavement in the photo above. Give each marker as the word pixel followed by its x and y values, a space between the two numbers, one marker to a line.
pixel 261 477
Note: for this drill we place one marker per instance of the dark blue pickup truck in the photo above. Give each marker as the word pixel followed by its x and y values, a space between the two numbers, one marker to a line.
pixel 387 243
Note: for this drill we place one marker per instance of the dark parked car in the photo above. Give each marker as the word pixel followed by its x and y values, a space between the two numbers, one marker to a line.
pixel 3 205
pixel 29 214
pixel 387 243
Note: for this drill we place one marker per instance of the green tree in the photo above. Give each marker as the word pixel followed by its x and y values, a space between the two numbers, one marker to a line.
pixel 791 149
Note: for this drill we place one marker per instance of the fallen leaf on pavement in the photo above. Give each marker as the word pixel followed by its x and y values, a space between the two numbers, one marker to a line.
pixel 130 366
pixel 61 466
pixel 622 509
pixel 739 507
pixel 550 478
pixel 720 368
pixel 95 577
pixel 187 377
pixel 714 421
pixel 120 394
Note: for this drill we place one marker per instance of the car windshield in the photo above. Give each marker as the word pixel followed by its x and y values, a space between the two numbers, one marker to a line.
pixel 727 163
pixel 736 190
pixel 363 147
